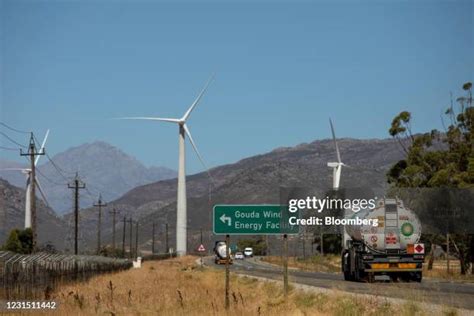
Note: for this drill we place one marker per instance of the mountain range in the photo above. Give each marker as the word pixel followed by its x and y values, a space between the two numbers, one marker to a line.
pixel 104 168
pixel 256 179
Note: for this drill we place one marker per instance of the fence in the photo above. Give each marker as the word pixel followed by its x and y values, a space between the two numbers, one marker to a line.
pixel 35 276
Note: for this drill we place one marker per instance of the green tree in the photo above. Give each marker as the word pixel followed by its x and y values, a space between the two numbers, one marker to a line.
pixel 438 159
pixel 20 241
pixel 13 242
pixel 259 246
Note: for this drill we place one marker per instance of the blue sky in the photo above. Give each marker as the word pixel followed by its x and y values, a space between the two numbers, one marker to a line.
pixel 282 69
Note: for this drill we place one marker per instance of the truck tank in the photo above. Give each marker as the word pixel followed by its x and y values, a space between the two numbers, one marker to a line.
pixel 220 249
pixel 397 227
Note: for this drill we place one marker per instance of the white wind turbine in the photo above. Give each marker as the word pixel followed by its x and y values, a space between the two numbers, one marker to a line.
pixel 336 179
pixel 336 166
pixel 181 214
pixel 27 173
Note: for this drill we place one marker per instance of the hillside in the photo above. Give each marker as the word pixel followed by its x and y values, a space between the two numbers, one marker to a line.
pixel 104 167
pixel 51 229
pixel 252 180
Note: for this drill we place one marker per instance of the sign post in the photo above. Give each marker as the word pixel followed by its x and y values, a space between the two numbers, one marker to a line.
pixel 227 272
pixel 253 220
pixel 201 249
pixel 285 264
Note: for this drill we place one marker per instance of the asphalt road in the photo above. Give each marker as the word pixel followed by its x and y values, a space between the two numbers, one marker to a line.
pixel 456 294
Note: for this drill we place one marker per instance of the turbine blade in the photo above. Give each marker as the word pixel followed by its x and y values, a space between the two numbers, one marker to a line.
pixel 188 112
pixel 13 169
pixel 335 142
pixel 42 146
pixel 186 129
pixel 163 119
pixel 41 191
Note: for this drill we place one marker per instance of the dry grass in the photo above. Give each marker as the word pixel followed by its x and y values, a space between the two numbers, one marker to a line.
pixel 178 287
pixel 440 271
pixel 328 263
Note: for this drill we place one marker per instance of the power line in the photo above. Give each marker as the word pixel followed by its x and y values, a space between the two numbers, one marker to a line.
pixel 56 166
pixel 49 179
pixel 12 140
pixel 14 129
pixel 9 148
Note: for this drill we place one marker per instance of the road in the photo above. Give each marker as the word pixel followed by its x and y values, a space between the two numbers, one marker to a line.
pixel 456 294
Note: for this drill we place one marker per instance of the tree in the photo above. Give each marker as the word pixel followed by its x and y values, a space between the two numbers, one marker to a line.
pixel 20 241
pixel 13 242
pixel 437 159
pixel 259 246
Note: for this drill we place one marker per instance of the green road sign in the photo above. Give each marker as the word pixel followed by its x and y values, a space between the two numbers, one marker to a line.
pixel 252 220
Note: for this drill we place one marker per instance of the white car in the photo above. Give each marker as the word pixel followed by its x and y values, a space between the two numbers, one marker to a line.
pixel 239 256
pixel 248 252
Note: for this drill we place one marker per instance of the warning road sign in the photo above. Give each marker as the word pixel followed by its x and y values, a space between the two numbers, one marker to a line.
pixel 201 248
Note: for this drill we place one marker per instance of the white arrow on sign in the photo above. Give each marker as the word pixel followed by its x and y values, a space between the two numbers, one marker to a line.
pixel 224 218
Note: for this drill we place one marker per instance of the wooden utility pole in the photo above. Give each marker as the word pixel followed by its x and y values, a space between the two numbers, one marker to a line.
pixel 124 234
pixel 114 213
pixel 131 237
pixel 285 264
pixel 447 252
pixel 153 240
pixel 227 272
pixel 322 243
pixel 166 238
pixel 32 153
pixel 136 239
pixel 76 185
pixel 99 204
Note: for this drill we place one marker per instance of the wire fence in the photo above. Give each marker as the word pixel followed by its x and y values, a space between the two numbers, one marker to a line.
pixel 36 276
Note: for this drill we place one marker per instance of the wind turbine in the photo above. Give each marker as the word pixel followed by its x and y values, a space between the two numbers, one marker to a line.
pixel 181 212
pixel 336 179
pixel 336 166
pixel 27 173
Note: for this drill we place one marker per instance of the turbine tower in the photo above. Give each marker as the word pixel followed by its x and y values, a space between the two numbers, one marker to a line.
pixel 183 129
pixel 336 166
pixel 27 172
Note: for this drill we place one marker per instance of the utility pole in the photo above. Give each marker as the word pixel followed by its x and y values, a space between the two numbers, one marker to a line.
pixel 123 236
pixel 166 238
pixel 113 212
pixel 76 185
pixel 153 240
pixel 285 265
pixel 130 221
pixel 136 239
pixel 99 204
pixel 32 152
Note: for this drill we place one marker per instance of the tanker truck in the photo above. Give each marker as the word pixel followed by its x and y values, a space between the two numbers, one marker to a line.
pixel 220 251
pixel 389 248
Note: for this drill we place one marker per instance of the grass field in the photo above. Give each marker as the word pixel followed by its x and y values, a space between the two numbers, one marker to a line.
pixel 179 287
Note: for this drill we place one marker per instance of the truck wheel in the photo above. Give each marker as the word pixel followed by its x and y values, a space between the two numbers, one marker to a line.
pixel 394 277
pixel 417 277
pixel 347 276
pixel 370 277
